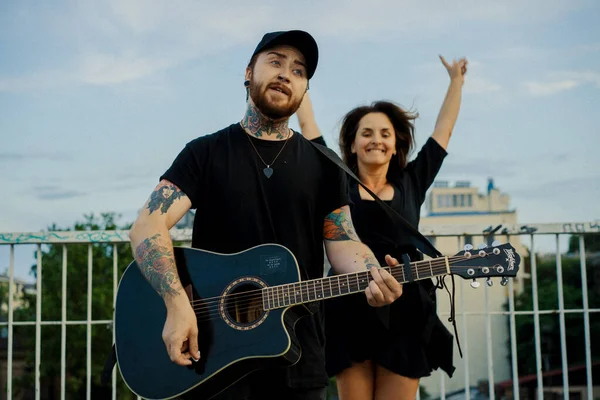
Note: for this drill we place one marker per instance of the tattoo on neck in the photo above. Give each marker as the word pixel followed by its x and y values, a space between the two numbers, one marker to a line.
pixel 257 124
pixel 157 264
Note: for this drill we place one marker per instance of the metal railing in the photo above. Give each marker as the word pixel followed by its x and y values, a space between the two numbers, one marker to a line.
pixel 530 232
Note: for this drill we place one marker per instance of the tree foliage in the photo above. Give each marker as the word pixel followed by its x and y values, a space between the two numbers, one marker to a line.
pixel 591 241
pixel 76 309
pixel 550 340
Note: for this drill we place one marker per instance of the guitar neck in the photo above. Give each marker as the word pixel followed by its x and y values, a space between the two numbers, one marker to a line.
pixel 341 285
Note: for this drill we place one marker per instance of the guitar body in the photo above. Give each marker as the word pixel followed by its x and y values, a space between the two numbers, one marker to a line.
pixel 235 335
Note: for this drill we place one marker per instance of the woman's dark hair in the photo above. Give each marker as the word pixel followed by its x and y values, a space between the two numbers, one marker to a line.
pixel 401 120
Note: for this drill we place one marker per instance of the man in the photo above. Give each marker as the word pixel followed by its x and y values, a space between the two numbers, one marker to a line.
pixel 257 182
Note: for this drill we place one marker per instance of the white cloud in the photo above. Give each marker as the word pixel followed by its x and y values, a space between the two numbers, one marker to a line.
pixel 549 88
pixel 562 81
pixel 580 76
pixel 116 41
pixel 100 69
pixel 478 85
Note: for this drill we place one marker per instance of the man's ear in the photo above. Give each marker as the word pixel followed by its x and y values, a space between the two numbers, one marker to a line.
pixel 248 75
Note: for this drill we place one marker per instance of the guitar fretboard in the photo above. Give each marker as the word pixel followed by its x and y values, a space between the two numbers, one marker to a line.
pixel 340 285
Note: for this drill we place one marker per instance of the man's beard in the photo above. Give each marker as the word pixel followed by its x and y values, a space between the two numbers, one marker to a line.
pixel 268 109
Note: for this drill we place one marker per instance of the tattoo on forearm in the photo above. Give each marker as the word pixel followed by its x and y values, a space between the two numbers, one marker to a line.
pixel 163 197
pixel 338 226
pixel 369 260
pixel 157 264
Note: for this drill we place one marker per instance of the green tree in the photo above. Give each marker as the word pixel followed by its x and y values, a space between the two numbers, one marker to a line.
pixel 549 323
pixel 102 309
pixel 592 243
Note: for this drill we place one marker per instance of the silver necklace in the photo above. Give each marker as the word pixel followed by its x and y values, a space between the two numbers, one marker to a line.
pixel 268 171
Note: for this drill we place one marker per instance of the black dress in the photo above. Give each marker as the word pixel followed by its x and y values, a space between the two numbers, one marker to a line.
pixel 406 337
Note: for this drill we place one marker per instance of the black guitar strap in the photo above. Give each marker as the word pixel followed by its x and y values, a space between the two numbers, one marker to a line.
pixel 414 236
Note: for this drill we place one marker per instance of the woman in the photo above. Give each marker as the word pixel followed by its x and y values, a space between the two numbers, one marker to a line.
pixel 382 354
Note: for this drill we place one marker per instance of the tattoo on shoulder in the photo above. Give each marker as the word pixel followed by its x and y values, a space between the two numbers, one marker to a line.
pixel 163 197
pixel 338 226
pixel 157 264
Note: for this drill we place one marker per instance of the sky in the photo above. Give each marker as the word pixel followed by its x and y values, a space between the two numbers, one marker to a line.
pixel 98 97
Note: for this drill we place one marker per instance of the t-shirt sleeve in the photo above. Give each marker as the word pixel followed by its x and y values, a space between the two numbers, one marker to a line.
pixel 319 140
pixel 336 193
pixel 187 170
pixel 424 168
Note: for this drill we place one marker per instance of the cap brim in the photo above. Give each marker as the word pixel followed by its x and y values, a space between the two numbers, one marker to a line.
pixel 302 41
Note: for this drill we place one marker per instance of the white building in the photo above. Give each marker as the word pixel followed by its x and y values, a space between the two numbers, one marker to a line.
pixel 480 335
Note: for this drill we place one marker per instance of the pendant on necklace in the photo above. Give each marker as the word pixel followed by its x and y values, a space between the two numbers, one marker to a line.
pixel 268 171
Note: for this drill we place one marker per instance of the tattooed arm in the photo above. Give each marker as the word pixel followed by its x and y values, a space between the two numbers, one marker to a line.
pixel 153 252
pixel 347 254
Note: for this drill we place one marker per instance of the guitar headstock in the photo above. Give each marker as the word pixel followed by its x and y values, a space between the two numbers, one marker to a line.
pixel 499 260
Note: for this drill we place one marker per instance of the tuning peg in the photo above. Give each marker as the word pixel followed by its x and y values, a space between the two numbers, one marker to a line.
pixel 504 281
pixel 482 246
pixel 489 282
pixel 468 247
pixel 496 243
pixel 475 284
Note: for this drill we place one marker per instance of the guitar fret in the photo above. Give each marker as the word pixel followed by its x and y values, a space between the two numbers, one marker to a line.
pixel 284 289
pixel 347 283
pixel 282 296
pixel 322 290
pixel 366 280
pixel 339 285
pixel 266 304
pixel 416 271
pixel 296 294
pixel 430 268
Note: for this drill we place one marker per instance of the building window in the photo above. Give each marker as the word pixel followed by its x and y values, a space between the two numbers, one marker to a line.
pixel 469 200
pixel 440 201
pixel 469 239
pixel 448 200
pixel 454 200
pixel 462 200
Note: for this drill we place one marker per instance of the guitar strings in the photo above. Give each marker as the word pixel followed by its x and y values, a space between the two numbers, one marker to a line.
pixel 212 310
pixel 246 298
pixel 434 263
pixel 334 284
pixel 398 267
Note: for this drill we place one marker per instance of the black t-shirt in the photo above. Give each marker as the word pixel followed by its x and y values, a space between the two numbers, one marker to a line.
pixel 378 231
pixel 410 187
pixel 238 207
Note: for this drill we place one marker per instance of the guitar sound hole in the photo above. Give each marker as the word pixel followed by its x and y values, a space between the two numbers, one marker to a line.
pixel 244 304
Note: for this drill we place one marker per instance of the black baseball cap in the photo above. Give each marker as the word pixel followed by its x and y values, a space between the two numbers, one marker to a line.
pixel 300 40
